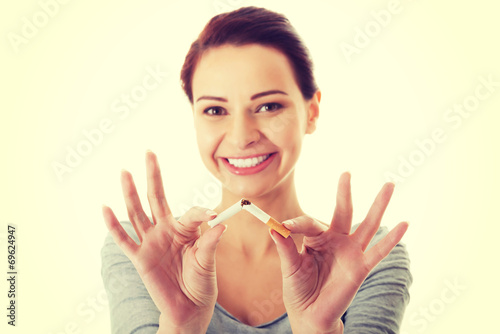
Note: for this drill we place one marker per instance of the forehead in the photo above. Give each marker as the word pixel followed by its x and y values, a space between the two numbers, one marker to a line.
pixel 244 69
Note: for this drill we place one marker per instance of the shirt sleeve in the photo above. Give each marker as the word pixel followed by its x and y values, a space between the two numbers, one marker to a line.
pixel 132 311
pixel 379 304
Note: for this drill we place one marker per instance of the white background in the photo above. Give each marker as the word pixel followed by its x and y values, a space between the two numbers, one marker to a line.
pixel 376 103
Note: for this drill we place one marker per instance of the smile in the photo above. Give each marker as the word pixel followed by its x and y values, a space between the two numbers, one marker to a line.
pixel 249 162
pixel 250 165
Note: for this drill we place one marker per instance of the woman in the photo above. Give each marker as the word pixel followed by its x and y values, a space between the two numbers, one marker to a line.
pixel 249 80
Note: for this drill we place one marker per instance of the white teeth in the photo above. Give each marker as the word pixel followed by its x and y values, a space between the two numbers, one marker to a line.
pixel 250 162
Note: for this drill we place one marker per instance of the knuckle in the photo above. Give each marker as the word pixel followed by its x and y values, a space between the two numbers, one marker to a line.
pixel 155 195
pixel 198 209
pixel 194 211
pixel 140 216
pixel 130 192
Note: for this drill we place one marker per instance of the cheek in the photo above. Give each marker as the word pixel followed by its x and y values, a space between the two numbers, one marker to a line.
pixel 207 141
pixel 286 133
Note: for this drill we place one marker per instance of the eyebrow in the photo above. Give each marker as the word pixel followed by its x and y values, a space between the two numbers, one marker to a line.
pixel 253 97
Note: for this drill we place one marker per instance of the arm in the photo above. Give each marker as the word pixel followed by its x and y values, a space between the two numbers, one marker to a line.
pixel 379 304
pixel 131 308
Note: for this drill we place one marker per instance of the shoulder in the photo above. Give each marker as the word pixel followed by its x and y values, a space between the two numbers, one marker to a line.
pixel 382 298
pixel 131 307
pixel 115 265
pixel 393 268
pixel 111 253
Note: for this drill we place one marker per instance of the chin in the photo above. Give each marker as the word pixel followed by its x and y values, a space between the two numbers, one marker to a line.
pixel 249 188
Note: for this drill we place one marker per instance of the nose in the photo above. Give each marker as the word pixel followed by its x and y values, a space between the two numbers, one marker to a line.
pixel 243 130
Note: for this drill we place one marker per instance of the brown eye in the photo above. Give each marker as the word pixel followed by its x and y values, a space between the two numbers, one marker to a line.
pixel 269 107
pixel 214 111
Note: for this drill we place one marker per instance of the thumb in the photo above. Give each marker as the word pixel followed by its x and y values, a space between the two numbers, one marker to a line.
pixel 207 244
pixel 287 251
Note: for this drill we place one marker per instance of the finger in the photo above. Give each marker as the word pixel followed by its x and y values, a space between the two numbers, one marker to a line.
pixel 313 231
pixel 207 245
pixel 121 238
pixel 378 252
pixel 156 194
pixel 305 225
pixel 188 225
pixel 342 217
pixel 135 212
pixel 289 256
pixel 367 229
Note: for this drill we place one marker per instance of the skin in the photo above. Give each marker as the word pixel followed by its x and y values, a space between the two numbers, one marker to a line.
pixel 240 126
pixel 312 275
pixel 246 127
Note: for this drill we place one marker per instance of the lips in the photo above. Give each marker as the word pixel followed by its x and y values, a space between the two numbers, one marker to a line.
pixel 248 162
pixel 248 165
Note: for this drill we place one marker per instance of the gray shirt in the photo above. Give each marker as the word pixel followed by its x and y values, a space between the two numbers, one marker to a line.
pixel 378 306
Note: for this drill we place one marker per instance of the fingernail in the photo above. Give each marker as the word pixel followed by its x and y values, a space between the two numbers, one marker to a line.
pixel 271 234
pixel 211 213
pixel 224 231
pixel 289 223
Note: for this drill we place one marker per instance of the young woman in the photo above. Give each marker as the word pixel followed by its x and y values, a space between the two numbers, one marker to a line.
pixel 249 81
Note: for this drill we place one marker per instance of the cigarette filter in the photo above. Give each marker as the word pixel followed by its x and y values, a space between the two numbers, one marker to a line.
pixel 278 227
pixel 265 218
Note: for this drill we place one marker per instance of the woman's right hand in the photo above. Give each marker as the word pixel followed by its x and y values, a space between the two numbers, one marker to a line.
pixel 175 262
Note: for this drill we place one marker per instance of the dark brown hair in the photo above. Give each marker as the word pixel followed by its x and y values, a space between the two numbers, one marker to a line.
pixel 248 25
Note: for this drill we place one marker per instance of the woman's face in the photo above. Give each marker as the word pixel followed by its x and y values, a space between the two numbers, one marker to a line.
pixel 250 117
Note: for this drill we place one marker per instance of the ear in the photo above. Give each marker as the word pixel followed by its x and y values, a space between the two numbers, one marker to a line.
pixel 313 112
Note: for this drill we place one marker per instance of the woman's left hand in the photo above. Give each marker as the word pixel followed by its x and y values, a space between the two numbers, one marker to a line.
pixel 320 282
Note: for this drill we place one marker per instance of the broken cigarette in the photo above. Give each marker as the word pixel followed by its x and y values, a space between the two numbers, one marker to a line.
pixel 253 209
pixel 267 219
pixel 226 214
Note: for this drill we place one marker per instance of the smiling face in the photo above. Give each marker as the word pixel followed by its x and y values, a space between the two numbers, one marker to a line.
pixel 250 117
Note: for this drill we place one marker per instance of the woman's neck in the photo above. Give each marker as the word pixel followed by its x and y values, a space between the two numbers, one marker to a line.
pixel 248 235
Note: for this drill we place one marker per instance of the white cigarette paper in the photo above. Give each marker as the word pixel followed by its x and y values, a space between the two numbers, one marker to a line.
pixel 226 214
pixel 257 212
pixel 267 219
pixel 253 209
